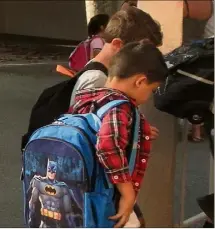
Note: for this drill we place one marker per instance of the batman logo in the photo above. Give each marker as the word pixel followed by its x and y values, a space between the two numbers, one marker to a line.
pixel 50 190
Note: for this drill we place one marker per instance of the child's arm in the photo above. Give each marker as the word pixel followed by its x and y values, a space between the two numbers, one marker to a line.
pixel 112 142
pixel 126 204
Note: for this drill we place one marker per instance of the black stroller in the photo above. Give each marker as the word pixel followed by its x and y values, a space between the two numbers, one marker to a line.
pixel 188 93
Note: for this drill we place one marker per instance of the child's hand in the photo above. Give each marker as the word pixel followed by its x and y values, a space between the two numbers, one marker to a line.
pixel 126 206
pixel 154 132
pixel 126 203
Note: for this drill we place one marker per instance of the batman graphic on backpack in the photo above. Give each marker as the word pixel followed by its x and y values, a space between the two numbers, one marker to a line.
pixel 58 206
pixel 64 185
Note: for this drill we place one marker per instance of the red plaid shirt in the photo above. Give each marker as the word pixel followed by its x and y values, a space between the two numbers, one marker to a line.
pixel 115 134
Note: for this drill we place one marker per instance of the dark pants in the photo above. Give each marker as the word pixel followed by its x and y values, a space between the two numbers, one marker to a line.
pixel 137 211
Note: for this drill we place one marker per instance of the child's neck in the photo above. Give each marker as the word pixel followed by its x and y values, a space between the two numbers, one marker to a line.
pixel 113 83
pixel 104 56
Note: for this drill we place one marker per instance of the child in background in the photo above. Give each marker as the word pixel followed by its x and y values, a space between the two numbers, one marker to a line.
pixel 96 27
pixel 91 47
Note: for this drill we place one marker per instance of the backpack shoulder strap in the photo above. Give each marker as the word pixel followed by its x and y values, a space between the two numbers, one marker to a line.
pixel 76 48
pixel 90 41
pixel 90 66
pixel 97 36
pixel 135 142
pixel 94 65
pixel 102 111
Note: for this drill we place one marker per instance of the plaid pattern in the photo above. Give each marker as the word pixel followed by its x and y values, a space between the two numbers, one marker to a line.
pixel 115 134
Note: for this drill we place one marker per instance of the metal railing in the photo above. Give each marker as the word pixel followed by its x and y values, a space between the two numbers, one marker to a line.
pixel 201 216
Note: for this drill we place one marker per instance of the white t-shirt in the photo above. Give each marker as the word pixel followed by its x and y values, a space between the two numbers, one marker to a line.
pixel 89 79
pixel 209 27
pixel 96 43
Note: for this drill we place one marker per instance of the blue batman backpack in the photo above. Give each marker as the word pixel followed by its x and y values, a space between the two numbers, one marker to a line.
pixel 64 184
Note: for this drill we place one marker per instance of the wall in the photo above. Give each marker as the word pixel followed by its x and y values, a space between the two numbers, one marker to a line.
pixel 156 197
pixel 102 6
pixel 51 19
pixel 2 26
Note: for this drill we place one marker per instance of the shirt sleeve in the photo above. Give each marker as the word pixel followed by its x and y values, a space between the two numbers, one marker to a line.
pixel 89 79
pixel 112 141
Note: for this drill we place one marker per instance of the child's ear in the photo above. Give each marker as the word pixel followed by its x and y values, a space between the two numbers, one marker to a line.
pixel 117 44
pixel 140 80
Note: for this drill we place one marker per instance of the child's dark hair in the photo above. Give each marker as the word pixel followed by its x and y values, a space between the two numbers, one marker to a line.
pixel 94 26
pixel 132 24
pixel 139 58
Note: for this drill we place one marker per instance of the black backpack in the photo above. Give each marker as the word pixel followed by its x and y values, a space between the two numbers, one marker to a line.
pixel 188 91
pixel 54 101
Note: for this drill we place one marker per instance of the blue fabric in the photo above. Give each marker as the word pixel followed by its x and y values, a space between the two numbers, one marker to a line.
pixel 135 142
pixel 103 110
pixel 91 119
pixel 98 208
pixel 74 137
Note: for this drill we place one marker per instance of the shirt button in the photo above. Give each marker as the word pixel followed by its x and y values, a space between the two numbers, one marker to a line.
pixel 136 184
pixel 147 138
pixel 143 160
pixel 116 177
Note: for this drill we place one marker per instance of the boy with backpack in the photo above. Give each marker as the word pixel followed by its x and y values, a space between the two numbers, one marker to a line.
pixel 64 182
pixel 127 25
pixel 135 72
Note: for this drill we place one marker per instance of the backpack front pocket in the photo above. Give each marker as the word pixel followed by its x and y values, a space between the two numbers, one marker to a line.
pixel 98 208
